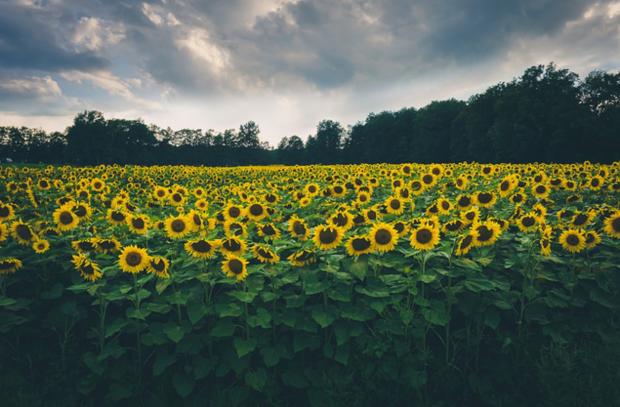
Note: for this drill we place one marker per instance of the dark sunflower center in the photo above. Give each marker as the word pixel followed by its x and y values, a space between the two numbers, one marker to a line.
pixel 395 204
pixel 118 216
pixel 196 219
pixel 328 236
pixel 595 182
pixel 572 240
pixel 589 238
pixel 423 236
pixel 360 244
pixel 88 269
pixel 133 258
pixel 265 253
pixel 399 226
pixel 80 210
pixel 4 211
pixel 338 189
pixel 445 205
pixel 372 215
pixel 615 224
pixel 256 210
pixel 544 243
pixel 234 212
pixel 312 188
pixel 470 215
pixel 340 219
pixel 466 242
pixel 107 245
pixel 177 226
pixel 138 223
pixel 232 245
pixel 201 246
pixel 427 179
pixel 580 219
pixel 299 228
pixel 383 236
pixel 504 185
pixel 270 198
pixel 528 221
pixel 85 246
pixel 6 265
pixel 303 256
pixel 65 218
pixel 517 198
pixel 158 265
pixel 484 233
pixel 23 232
pixel 485 197
pixel 268 230
pixel 540 189
pixel 177 197
pixel 453 225
pixel 235 266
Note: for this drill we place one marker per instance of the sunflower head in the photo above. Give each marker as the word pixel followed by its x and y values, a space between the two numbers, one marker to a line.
pixel 200 248
pixel 89 270
pixel 383 236
pixel 133 259
pixel 327 236
pixel 358 245
pixel 159 266
pixel 265 254
pixel 612 225
pixel 424 237
pixel 573 240
pixel 9 265
pixel 235 267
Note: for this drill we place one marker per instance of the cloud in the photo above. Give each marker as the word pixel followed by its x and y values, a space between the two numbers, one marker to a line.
pixel 93 34
pixel 42 88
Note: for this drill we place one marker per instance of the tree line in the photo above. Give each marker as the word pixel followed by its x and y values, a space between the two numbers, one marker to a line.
pixel 545 115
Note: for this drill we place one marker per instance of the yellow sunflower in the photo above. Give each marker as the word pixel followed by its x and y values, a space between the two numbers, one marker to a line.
pixel 200 248
pixel 298 228
pixel 327 236
pixel 358 245
pixel 177 227
pixel 265 254
pixel 159 266
pixel 133 259
pixel 233 246
pixel 65 219
pixel 40 246
pixel 22 232
pixel 573 240
pixel 424 238
pixel 612 225
pixel 236 267
pixel 383 236
pixel 486 233
pixel 9 265
pixel 89 270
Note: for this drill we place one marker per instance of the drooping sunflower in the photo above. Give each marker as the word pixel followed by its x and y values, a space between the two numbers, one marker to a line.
pixel 40 246
pixel 177 227
pixel 383 236
pixel 265 254
pixel 424 237
pixel 234 266
pixel 9 265
pixel 302 258
pixel 612 225
pixel 486 233
pixel 327 236
pixel 233 246
pixel 464 244
pixel 358 245
pixel 65 219
pixel 159 266
pixel 133 259
pixel 268 231
pixel 593 239
pixel 138 223
pixel 107 245
pixel 582 219
pixel 200 248
pixel 22 232
pixel 84 245
pixel 545 246
pixel 573 240
pixel 298 228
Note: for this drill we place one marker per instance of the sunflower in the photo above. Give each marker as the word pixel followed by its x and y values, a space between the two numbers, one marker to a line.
pixel 160 193
pixel 453 226
pixel 89 270
pixel 593 239
pixel 518 198
pixel 176 227
pixel 138 223
pixel 342 219
pixel 159 266
pixel 22 232
pixel 195 220
pixel 65 219
pixel 470 216
pixel 9 265
pixel 200 248
pixel 464 202
pixel 540 191
pixel 97 184
pixel 236 267
pixel 507 184
pixel 232 211
pixel 233 246
pixel 424 237
pixel 394 205
pixel 4 232
pixel 363 198
pixel 443 206
pixel 384 237
pixel 302 258
pixel 464 244
pixel 581 219
pixel 82 210
pixel 297 228
pixel 545 246
pixel 107 245
pixel 486 233
pixel 401 228
pixel 235 228
pixel 428 180
pixel 256 212
pixel 116 216
pixel 264 254
pixel 527 222
pixel 201 205
pixel 573 240
pixel 327 236
pixel 6 211
pixel 84 245
pixel 485 199
pixel 596 182
pixel 612 225
pixel 40 246
pixel 358 245
pixel 269 231
pixel 133 259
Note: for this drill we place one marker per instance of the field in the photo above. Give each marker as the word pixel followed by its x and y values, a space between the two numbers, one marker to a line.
pixel 438 284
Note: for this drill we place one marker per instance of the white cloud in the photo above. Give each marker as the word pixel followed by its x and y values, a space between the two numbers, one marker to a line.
pixel 37 87
pixel 94 34
pixel 159 16
pixel 198 42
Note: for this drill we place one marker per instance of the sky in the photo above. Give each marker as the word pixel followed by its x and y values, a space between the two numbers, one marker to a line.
pixel 214 64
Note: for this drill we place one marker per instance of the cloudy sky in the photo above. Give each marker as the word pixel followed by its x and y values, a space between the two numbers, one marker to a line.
pixel 285 64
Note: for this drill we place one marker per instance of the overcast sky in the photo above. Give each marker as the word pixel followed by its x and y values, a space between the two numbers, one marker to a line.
pixel 284 64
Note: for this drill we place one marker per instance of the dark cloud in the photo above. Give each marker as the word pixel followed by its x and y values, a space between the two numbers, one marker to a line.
pixel 29 40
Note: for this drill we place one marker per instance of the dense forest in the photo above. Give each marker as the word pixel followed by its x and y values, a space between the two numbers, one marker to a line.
pixel 545 115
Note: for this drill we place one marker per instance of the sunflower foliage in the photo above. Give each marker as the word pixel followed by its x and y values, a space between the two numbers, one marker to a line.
pixel 436 284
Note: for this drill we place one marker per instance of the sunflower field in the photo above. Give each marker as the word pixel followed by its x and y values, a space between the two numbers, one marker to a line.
pixel 439 284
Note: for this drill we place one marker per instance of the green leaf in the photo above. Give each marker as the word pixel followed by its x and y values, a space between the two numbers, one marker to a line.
pixel 359 268
pixel 323 317
pixel 271 355
pixel 244 346
pixel 436 314
pixel 223 328
pixel 162 361
pixel 183 384
pixel 195 312
pixel 262 319
pixel 174 332
pixel 257 379
pixel 478 284
pixel 244 296
pixel 231 309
